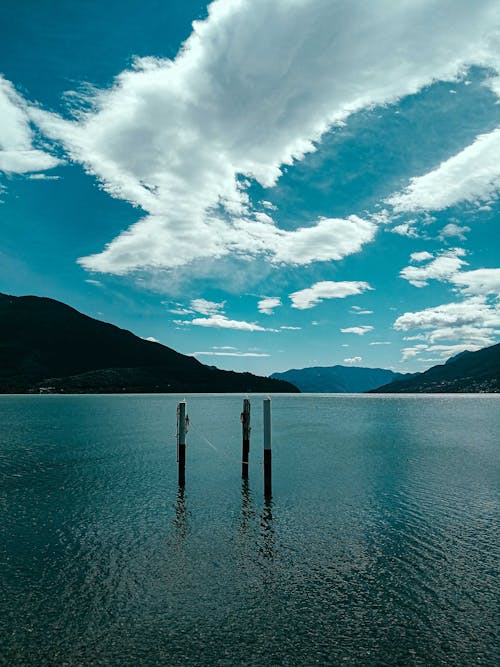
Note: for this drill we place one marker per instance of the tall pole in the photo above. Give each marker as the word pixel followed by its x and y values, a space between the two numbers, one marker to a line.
pixel 181 441
pixel 245 427
pixel 267 448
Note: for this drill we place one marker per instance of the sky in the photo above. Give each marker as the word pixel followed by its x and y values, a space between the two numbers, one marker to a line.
pixel 264 184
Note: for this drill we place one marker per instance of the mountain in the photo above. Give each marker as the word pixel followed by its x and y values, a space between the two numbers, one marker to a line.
pixel 47 344
pixel 466 372
pixel 456 356
pixel 338 379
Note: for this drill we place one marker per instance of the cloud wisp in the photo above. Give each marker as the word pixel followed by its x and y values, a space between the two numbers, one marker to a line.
pixel 327 289
pixel 357 310
pixel 18 154
pixel 359 331
pixel 214 318
pixel 211 353
pixel 353 360
pixel 268 304
pixel 452 230
pixel 205 307
pixel 219 321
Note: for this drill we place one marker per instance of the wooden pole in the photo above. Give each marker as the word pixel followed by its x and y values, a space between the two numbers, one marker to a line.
pixel 245 427
pixel 181 441
pixel 267 449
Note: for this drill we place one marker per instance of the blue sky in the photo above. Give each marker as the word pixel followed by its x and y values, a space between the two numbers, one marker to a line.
pixel 278 184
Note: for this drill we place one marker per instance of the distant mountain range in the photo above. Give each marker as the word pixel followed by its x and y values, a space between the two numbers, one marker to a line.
pixel 339 379
pixel 46 345
pixel 466 372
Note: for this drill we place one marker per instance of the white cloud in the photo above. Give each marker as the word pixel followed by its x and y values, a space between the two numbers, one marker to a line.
pixel 285 328
pixel 206 307
pixel 353 360
pixel 151 339
pixel 17 153
pixel 477 335
pixel 327 289
pixel 229 354
pixel 494 84
pixel 97 283
pixel 469 324
pixel 478 282
pixel 211 236
pixel 380 342
pixel 472 323
pixel 356 310
pixel 359 331
pixel 43 177
pixel 474 311
pixel 443 267
pixel 268 304
pixel 215 319
pixel 444 351
pixel 420 256
pixel 405 229
pixel 329 239
pixel 410 352
pixel 473 175
pixel 219 321
pixel 447 351
pixel 180 311
pixel 254 88
pixel 453 230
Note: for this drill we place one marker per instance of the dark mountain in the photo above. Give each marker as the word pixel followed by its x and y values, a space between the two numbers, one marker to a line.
pixel 338 379
pixel 466 372
pixel 45 343
pixel 457 356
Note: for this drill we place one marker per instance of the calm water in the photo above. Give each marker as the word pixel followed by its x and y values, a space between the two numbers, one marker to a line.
pixel 379 547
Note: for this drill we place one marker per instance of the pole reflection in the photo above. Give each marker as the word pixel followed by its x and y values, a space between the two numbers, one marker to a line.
pixel 257 529
pixel 180 522
pixel 247 508
pixel 267 546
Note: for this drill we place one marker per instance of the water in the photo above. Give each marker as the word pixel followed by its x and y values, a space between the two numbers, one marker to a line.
pixel 379 546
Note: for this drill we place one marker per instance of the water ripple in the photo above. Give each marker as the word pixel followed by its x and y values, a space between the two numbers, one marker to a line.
pixel 379 547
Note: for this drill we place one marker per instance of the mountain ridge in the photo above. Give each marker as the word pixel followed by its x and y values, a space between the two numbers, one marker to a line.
pixel 467 372
pixel 338 378
pixel 46 345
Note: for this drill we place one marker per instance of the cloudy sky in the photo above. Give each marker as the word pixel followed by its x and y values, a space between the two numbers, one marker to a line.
pixel 265 184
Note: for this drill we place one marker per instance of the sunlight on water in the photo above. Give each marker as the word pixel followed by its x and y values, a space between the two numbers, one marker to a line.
pixel 379 546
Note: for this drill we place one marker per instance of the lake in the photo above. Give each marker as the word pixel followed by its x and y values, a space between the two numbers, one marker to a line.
pixel 379 546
